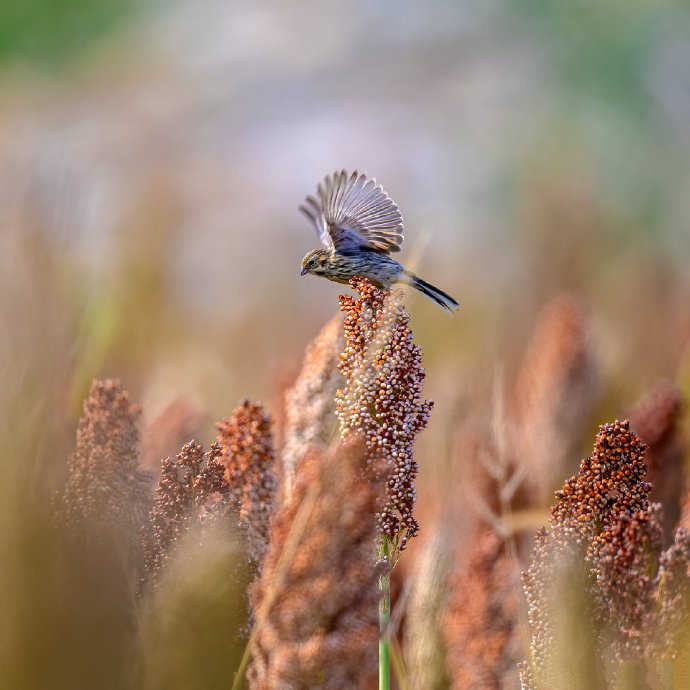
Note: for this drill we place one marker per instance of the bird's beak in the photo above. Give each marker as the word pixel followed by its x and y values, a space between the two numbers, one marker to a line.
pixel 303 272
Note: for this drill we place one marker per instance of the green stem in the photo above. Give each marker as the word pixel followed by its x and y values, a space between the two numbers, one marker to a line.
pixel 384 622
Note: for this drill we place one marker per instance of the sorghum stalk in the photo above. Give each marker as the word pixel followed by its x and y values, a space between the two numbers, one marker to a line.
pixel 384 620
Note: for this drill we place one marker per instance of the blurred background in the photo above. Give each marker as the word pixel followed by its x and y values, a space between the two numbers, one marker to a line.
pixel 153 155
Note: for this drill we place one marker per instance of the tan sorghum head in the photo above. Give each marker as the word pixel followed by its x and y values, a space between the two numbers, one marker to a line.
pixel 106 491
pixel 316 599
pixel 554 392
pixel 381 400
pixel 310 402
pixel 249 456
pixel 480 621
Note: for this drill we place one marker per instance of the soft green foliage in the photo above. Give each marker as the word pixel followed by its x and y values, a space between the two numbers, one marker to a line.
pixel 599 49
pixel 49 32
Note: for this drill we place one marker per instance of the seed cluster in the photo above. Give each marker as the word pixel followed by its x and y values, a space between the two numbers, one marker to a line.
pixel 625 569
pixel 105 488
pixel 610 482
pixel 382 401
pixel 316 598
pixel 309 403
pixel 603 529
pixel 640 592
pixel 248 454
pixel 674 577
pixel 191 490
pixel 551 558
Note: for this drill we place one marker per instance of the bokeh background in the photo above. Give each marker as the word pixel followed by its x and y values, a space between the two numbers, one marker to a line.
pixel 153 155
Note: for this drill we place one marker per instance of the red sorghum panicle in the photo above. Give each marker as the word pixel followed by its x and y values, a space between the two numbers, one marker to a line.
pixel 316 599
pixel 625 568
pixel 610 482
pixel 640 592
pixel 381 400
pixel 249 456
pixel 191 491
pixel 106 490
pixel 602 550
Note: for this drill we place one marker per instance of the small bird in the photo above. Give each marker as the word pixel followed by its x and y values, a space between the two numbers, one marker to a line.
pixel 359 226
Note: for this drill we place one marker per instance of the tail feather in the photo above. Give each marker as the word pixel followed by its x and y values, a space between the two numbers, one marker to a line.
pixel 443 299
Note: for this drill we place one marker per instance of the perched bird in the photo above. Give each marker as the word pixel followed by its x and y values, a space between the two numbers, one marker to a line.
pixel 359 226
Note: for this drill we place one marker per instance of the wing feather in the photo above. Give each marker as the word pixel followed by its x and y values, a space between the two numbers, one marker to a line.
pixel 353 212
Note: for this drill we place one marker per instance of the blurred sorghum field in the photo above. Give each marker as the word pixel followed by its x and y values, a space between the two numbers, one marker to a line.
pixel 257 558
pixel 156 534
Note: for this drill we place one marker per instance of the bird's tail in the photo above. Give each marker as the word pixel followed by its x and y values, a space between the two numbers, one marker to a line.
pixel 443 299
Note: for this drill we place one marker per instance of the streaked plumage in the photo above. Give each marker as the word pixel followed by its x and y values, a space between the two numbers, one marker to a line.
pixel 359 226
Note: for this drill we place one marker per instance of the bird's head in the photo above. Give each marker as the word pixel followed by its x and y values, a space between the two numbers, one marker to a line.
pixel 315 262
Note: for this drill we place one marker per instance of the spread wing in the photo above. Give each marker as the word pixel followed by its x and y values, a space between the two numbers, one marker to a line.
pixel 352 212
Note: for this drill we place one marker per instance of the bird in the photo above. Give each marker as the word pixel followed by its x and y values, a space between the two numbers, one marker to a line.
pixel 359 226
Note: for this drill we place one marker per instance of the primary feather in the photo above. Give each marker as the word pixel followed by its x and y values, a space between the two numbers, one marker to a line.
pixel 352 213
